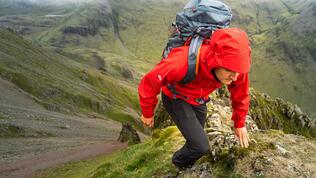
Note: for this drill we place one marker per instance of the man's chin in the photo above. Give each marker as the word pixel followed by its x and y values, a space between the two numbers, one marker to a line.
pixel 227 82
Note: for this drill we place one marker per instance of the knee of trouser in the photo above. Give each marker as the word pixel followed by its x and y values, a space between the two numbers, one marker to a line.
pixel 204 149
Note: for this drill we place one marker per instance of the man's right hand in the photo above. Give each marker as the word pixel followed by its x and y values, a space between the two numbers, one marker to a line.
pixel 242 135
pixel 148 122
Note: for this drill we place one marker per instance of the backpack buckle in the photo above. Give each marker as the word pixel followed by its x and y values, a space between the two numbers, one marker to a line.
pixel 202 100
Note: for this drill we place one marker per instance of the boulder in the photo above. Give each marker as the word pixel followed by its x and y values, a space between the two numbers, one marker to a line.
pixel 128 134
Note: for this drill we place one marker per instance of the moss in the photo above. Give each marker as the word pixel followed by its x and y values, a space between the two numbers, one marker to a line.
pixel 269 114
pixel 165 136
pixel 156 133
pixel 254 148
pixel 227 159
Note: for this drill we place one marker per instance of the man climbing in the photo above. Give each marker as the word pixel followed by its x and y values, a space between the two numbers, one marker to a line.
pixel 223 59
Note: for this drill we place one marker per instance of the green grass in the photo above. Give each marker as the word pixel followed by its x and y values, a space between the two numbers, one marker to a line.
pixel 78 169
pixel 143 160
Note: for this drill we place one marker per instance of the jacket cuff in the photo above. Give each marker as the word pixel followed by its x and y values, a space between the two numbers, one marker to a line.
pixel 239 124
pixel 239 121
pixel 148 114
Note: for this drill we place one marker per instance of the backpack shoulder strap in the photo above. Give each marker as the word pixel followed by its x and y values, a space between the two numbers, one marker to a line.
pixel 193 59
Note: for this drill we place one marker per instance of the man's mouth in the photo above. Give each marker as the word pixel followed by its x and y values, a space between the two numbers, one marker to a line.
pixel 228 81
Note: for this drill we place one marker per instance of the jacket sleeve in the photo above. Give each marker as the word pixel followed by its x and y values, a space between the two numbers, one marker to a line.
pixel 167 71
pixel 240 99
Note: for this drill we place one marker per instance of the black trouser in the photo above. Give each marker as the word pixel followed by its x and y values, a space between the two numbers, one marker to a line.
pixel 190 120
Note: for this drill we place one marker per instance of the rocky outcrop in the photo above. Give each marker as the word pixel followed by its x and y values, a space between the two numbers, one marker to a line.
pixel 128 134
pixel 126 72
pixel 277 114
pixel 305 24
pixel 80 30
pixel 271 153
pixel 100 63
pixel 99 17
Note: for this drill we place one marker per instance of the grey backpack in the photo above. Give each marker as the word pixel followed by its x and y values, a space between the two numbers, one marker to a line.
pixel 195 23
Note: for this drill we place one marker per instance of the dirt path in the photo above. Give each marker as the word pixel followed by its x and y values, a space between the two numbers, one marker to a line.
pixel 33 138
pixel 28 167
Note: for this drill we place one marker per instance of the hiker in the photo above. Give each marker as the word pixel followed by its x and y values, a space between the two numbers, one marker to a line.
pixel 222 59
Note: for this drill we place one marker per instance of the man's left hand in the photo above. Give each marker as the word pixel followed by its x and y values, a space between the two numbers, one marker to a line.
pixel 242 135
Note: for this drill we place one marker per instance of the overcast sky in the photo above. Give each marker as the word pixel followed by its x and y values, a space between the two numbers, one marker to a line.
pixel 58 1
pixel 50 1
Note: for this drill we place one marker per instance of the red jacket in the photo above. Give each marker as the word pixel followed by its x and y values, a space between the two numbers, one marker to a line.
pixel 228 48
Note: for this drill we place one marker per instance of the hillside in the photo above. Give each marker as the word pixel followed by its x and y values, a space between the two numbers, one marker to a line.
pixel 33 138
pixel 132 34
pixel 63 85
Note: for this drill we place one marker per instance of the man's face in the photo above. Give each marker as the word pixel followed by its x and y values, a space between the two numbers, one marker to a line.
pixel 226 76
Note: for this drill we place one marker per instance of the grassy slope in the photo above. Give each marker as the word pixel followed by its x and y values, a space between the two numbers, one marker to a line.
pixel 60 83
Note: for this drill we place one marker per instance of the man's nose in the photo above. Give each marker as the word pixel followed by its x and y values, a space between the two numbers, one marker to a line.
pixel 234 76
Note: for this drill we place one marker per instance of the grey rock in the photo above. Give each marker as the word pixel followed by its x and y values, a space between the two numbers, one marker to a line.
pixel 128 134
pixel 214 121
pixel 84 75
pixel 281 149
pixel 213 135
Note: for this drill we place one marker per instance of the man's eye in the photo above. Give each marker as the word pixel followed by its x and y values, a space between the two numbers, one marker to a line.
pixel 227 70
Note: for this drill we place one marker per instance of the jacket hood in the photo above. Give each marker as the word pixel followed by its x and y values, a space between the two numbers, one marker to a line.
pixel 230 48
